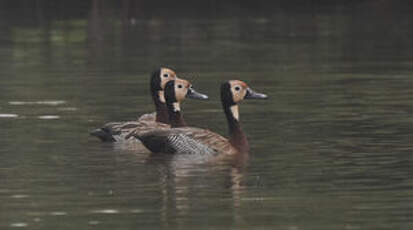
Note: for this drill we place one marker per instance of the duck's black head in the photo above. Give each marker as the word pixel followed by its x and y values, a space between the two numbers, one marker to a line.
pixel 234 91
pixel 177 90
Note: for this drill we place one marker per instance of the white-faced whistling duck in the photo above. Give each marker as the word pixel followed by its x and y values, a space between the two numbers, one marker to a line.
pixel 116 131
pixel 175 92
pixel 189 140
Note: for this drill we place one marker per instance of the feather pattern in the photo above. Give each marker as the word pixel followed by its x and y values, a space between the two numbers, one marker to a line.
pixel 186 140
pixel 119 131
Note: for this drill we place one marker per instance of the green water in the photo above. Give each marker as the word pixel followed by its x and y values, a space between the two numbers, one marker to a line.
pixel 330 149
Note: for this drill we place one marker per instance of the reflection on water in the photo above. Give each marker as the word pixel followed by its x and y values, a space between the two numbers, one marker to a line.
pixel 330 150
pixel 37 102
pixel 8 115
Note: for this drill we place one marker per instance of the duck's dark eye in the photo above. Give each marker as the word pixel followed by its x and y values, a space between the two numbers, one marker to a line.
pixel 165 75
pixel 237 88
pixel 180 86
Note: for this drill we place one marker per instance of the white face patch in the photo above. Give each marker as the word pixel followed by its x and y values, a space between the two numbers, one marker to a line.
pixel 181 89
pixel 176 106
pixel 166 75
pixel 235 112
pixel 161 96
pixel 238 92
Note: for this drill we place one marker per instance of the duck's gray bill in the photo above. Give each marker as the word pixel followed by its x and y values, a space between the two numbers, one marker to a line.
pixel 251 94
pixel 195 95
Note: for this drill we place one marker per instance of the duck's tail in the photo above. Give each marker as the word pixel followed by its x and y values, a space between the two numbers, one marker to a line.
pixel 103 134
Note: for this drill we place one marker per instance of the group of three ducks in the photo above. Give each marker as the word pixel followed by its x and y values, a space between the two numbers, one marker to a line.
pixel 165 131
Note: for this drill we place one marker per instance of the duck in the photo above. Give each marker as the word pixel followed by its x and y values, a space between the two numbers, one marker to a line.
pixel 116 131
pixel 192 140
pixel 175 92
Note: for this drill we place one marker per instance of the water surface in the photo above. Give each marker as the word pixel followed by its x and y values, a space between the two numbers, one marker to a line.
pixel 331 149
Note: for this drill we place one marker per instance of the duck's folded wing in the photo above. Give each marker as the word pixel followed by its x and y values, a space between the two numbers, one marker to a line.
pixel 148 117
pixel 183 141
pixel 116 131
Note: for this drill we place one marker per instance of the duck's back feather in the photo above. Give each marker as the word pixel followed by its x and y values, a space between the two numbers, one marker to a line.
pixel 117 131
pixel 148 117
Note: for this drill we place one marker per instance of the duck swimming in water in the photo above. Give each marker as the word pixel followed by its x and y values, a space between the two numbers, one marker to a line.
pixel 175 93
pixel 116 131
pixel 189 140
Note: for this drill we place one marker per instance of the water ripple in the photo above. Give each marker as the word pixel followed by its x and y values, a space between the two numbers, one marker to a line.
pixel 45 102
pixel 49 117
pixel 19 225
pixel 94 222
pixel 67 109
pixel 19 196
pixel 58 213
pixel 106 211
pixel 8 115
